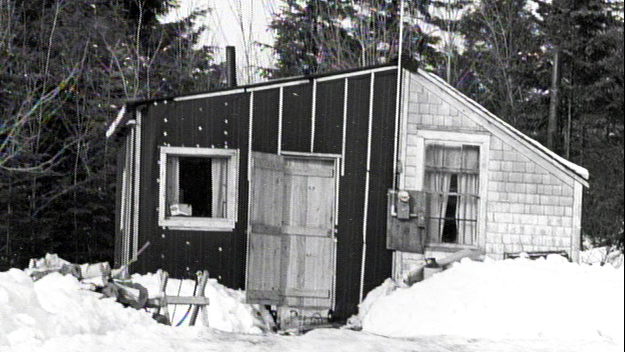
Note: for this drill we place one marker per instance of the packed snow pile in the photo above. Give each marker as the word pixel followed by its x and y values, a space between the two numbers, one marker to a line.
pixel 48 300
pixel 55 305
pixel 519 298
pixel 227 310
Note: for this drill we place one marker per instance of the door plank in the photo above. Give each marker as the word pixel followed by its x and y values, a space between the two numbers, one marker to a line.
pixel 266 244
pixel 306 231
pixel 308 225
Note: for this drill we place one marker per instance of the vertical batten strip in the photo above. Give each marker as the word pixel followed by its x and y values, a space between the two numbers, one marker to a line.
pixel 313 116
pixel 337 184
pixel 344 140
pixel 280 112
pixel 576 221
pixel 396 126
pixel 398 91
pixel 403 133
pixel 126 197
pixel 367 179
pixel 137 185
pixel 249 138
pixel 249 186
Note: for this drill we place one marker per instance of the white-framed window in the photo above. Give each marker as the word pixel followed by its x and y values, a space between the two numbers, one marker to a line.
pixel 198 188
pixel 451 181
pixel 453 174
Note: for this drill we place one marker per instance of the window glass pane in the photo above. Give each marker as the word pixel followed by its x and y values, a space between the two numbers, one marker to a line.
pixel 198 184
pixel 434 156
pixel 471 156
pixel 451 179
pixel 453 158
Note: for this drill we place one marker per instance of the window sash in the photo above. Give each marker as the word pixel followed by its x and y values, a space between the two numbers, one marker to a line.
pixel 451 178
pixel 223 192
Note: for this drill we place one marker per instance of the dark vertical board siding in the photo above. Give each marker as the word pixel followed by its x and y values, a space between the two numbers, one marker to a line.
pixel 265 121
pixel 352 196
pixel 210 122
pixel 121 160
pixel 151 124
pixel 297 118
pixel 329 117
pixel 378 263
pixel 222 121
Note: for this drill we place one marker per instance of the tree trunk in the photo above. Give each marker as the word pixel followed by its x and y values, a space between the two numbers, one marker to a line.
pixel 552 125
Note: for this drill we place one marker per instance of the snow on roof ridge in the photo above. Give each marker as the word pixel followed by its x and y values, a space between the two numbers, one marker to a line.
pixel 577 169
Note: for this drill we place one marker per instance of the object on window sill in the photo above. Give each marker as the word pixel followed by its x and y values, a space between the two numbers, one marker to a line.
pixel 180 209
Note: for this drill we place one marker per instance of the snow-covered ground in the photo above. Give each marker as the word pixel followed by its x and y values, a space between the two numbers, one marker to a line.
pixel 511 305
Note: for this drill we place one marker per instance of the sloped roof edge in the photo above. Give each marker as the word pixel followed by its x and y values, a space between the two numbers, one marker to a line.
pixel 578 170
pixel 126 110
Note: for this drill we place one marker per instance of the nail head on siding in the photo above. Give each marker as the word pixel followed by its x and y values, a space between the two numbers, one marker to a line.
pixel 199 128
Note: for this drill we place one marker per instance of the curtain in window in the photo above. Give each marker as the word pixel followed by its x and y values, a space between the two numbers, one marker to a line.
pixel 452 171
pixel 466 208
pixel 219 179
pixel 468 189
pixel 438 160
pixel 438 185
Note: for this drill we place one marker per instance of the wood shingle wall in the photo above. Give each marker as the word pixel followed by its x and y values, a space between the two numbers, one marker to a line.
pixel 528 207
pixel 530 203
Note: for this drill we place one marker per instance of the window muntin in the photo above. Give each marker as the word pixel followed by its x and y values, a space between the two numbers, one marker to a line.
pixel 451 179
pixel 198 188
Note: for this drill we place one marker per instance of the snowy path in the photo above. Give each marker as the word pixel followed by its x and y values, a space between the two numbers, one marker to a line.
pixel 165 339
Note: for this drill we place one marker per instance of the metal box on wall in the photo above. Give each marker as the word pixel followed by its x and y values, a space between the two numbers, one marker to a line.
pixel 406 225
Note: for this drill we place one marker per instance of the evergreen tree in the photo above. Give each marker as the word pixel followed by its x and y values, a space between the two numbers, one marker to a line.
pixel 66 67
pixel 317 36
pixel 556 73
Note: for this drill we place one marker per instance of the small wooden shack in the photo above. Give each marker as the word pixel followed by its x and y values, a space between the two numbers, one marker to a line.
pixel 309 192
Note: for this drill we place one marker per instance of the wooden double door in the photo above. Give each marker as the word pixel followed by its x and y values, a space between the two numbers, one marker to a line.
pixel 291 246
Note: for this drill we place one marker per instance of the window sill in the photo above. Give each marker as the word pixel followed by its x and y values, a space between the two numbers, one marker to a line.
pixel 448 247
pixel 197 224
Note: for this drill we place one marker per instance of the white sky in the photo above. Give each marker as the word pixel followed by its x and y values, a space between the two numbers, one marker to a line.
pixel 240 23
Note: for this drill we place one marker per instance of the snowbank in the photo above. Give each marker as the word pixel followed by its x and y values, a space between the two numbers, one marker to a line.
pixel 57 305
pixel 227 310
pixel 518 298
pixel 31 312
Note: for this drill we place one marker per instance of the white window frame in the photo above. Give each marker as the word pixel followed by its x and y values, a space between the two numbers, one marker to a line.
pixel 199 223
pixel 456 139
